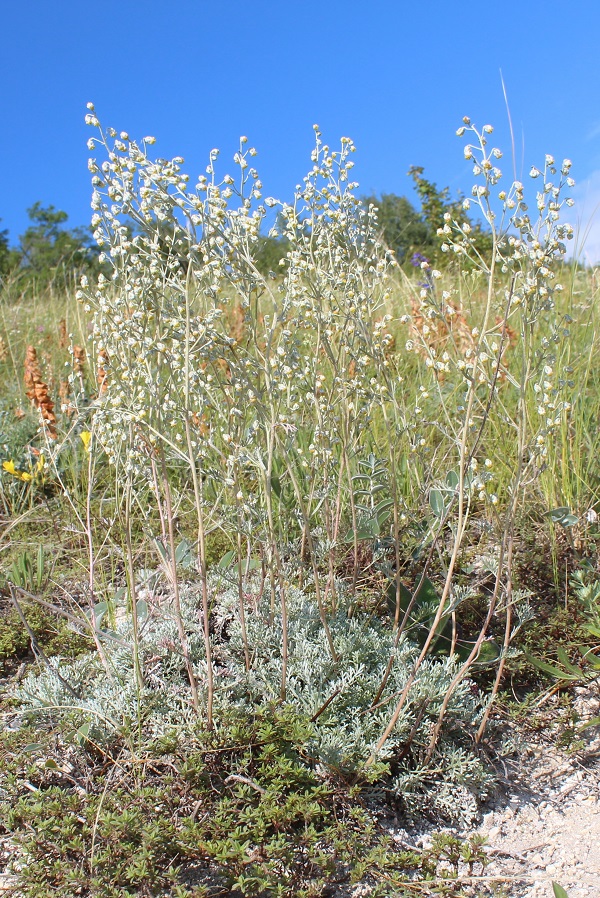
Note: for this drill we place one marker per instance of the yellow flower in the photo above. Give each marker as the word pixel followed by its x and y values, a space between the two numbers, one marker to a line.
pixel 86 439
pixel 9 466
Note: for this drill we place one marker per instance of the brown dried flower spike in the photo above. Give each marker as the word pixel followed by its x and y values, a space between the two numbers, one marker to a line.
pixel 237 327
pixel 37 391
pixel 63 336
pixel 102 376
pixel 64 393
pixel 78 359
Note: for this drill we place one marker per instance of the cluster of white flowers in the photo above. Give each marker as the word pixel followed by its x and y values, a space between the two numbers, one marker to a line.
pixel 310 365
pixel 285 405
pixel 511 292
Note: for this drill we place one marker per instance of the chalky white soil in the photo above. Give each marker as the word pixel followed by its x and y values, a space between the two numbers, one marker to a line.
pixel 549 830
pixel 543 826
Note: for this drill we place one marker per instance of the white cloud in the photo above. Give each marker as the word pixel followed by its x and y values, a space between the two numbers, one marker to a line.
pixel 585 218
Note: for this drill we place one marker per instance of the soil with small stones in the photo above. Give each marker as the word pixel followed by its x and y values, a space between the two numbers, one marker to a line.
pixel 543 823
pixel 547 828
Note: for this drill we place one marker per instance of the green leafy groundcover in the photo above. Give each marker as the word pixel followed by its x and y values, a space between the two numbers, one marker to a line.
pixel 238 809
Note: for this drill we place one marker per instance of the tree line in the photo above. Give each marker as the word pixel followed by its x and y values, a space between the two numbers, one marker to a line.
pixel 49 253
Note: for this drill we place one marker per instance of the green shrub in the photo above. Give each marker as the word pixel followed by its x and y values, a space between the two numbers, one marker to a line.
pixel 237 810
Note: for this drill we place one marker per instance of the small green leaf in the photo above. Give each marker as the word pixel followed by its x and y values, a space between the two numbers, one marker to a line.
pixel 51 764
pixel 405 596
pixel 226 560
pixel 184 553
pixel 164 555
pixel 436 501
pixel 488 653
pixel 252 564
pixel 563 516
pixel 112 636
pixel 427 594
pixel 555 672
pixel 40 568
pixel 383 510
pixel 82 733
pixel 557 514
pixel 368 529
pixel 559 892
pixel 424 606
pixel 593 660
pixel 141 608
pixel 32 747
pixel 99 610
pixel 594 722
pixel 452 480
pixel 373 527
pixel 567 664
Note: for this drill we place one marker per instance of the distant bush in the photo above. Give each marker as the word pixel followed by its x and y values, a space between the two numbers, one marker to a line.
pixel 48 254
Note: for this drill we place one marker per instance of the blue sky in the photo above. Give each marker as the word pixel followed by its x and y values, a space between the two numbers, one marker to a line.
pixel 397 77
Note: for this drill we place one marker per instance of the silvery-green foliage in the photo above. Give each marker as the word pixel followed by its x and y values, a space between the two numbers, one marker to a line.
pixel 348 727
pixel 523 610
pixel 111 703
pixel 106 706
pixel 454 795
pixel 339 695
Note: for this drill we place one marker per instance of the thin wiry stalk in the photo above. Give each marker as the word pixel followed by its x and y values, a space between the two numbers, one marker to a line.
pixel 241 598
pixel 201 530
pixel 275 572
pixel 313 556
pixel 183 640
pixel 130 568
pixel 86 528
